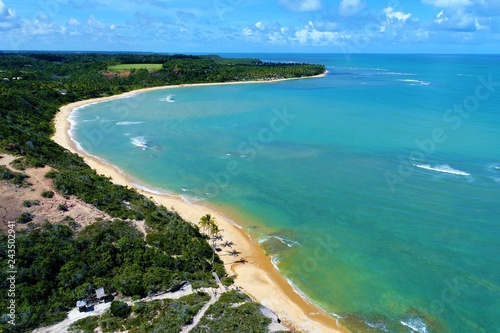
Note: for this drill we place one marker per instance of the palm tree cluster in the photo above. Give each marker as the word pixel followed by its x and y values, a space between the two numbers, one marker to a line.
pixel 210 227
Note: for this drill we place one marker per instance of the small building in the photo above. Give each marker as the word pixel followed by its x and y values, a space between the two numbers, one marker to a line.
pixel 100 294
pixel 63 91
pixel 82 305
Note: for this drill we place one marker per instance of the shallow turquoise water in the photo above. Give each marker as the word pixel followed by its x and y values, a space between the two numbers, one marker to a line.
pixel 376 187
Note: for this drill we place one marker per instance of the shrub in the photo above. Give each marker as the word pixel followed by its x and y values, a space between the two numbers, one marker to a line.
pixel 29 203
pixel 120 309
pixel 227 281
pixel 47 194
pixel 70 222
pixel 62 207
pixel 19 164
pixel 15 178
pixel 84 325
pixel 24 218
pixel 234 311
pixel 51 174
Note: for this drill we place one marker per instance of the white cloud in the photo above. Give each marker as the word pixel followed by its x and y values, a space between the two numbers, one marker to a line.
pixel 92 21
pixel 421 35
pixel 277 37
pixel 400 16
pixel 259 25
pixel 440 17
pixel 247 32
pixel 72 22
pixel 301 5
pixel 466 15
pixel 488 7
pixel 38 27
pixel 350 7
pixel 310 35
pixel 447 3
pixel 8 18
pixel 457 19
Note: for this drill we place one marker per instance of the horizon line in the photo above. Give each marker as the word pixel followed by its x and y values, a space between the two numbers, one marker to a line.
pixel 228 52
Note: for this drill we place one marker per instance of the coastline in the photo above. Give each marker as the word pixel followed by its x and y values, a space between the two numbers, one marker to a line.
pixel 257 277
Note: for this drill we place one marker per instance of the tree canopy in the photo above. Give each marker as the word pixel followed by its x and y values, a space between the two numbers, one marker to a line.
pixel 56 265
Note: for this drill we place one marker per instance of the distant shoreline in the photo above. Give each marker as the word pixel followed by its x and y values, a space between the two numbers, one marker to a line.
pixel 258 277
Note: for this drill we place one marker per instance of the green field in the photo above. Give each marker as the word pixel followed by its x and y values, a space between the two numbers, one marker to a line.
pixel 123 67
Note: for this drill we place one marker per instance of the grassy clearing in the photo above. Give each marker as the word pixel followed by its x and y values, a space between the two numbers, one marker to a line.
pixel 122 67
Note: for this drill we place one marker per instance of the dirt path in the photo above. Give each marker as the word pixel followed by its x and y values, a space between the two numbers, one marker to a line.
pixel 73 316
pixel 214 297
pixel 99 309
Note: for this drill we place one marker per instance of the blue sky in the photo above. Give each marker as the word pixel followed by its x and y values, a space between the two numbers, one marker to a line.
pixel 192 26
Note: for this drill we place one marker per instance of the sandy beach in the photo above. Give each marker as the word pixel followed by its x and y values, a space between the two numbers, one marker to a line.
pixel 257 277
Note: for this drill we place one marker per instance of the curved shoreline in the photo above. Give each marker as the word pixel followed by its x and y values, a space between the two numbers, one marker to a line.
pixel 258 277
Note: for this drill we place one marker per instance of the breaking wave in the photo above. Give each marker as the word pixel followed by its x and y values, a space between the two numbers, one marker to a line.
pixel 169 98
pixel 445 168
pixel 416 325
pixel 140 141
pixel 415 82
pixel 128 123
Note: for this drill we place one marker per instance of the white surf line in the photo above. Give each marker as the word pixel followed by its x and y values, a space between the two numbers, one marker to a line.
pixel 442 168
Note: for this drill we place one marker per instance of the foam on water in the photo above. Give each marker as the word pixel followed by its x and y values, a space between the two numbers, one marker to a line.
pixel 148 189
pixel 72 133
pixel 128 123
pixel 140 141
pixel 287 242
pixel 341 195
pixel 90 120
pixel 445 168
pixel 414 82
pixel 275 260
pixel 398 73
pixel 416 325
pixel 169 99
pixel 494 167
pixel 378 326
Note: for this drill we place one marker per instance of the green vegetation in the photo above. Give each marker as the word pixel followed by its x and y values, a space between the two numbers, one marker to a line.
pixel 149 67
pixel 30 203
pixel 24 218
pixel 120 309
pixel 48 194
pixel 164 315
pixel 144 317
pixel 57 265
pixel 70 222
pixel 85 325
pixel 233 312
pixel 216 69
pixel 62 207
pixel 12 177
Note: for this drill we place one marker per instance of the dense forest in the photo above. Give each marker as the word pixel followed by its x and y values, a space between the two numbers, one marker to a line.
pixel 56 264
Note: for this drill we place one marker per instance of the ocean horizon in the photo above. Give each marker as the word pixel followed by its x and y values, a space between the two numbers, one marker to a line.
pixel 375 189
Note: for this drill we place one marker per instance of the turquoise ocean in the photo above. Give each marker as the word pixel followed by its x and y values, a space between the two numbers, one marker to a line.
pixel 376 188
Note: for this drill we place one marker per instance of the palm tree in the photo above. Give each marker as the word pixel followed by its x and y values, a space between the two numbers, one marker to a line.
pixel 214 231
pixel 206 221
